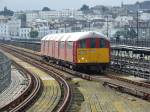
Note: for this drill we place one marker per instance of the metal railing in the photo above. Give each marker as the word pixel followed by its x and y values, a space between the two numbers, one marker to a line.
pixel 140 43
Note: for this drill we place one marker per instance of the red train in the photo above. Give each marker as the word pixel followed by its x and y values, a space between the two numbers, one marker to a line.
pixel 89 50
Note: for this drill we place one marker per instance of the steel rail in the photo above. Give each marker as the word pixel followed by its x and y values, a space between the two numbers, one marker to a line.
pixel 63 105
pixel 28 95
pixel 146 94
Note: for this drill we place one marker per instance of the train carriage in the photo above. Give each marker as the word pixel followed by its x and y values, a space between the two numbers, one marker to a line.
pixel 89 50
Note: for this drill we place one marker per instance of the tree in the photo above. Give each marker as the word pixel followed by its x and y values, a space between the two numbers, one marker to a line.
pixel 34 34
pixel 126 33
pixel 6 12
pixel 104 9
pixel 46 9
pixel 85 8
pixel 133 33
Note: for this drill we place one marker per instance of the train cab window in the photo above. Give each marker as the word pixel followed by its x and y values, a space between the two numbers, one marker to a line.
pixel 62 44
pixel 102 43
pixel 82 43
pixel 92 42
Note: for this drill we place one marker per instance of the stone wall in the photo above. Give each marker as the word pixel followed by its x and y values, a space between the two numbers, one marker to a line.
pixel 5 72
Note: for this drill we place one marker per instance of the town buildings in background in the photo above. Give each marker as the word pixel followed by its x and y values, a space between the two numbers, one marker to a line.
pixel 126 21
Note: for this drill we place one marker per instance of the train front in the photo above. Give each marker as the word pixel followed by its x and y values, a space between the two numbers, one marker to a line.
pixel 93 53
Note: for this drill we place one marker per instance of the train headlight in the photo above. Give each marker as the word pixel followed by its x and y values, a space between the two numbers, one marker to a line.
pixel 82 58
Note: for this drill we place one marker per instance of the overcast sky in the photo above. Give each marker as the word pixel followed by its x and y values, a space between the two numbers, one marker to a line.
pixel 58 4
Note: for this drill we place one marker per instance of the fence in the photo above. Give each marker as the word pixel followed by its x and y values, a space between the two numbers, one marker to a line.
pixel 5 72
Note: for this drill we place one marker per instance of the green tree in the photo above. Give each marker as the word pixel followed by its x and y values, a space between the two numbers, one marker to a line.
pixel 126 33
pixel 104 9
pixel 84 8
pixel 46 9
pixel 6 12
pixel 34 34
pixel 133 33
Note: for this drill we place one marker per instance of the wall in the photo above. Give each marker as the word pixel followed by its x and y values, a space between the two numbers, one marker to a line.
pixel 5 72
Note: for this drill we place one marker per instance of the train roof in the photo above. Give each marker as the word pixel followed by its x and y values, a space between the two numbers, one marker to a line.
pixel 73 36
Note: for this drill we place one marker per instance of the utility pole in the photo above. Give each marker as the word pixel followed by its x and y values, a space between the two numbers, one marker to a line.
pixel 137 27
pixel 89 25
pixel 107 26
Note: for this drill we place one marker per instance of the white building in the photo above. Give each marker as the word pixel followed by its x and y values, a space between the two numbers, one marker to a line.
pixel 4 30
pixel 70 13
pixel 47 15
pixel 41 26
pixel 122 20
pixel 42 31
pixel 3 19
pixel 24 33
pixel 145 16
pixel 32 15
pixel 13 27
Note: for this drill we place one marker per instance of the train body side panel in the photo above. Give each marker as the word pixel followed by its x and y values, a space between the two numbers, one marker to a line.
pixel 46 48
pixel 93 55
pixel 42 47
pixel 50 49
pixel 56 49
pixel 61 50
pixel 69 57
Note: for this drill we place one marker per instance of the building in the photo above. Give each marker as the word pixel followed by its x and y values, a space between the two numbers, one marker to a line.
pixel 24 33
pixel 42 31
pixel 32 15
pixel 3 19
pixel 48 15
pixel 4 30
pixel 145 5
pixel 121 21
pixel 145 16
pixel 13 27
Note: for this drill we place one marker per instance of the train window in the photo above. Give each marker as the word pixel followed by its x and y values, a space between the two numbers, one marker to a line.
pixel 92 42
pixel 83 43
pixel 102 43
pixel 62 44
pixel 69 45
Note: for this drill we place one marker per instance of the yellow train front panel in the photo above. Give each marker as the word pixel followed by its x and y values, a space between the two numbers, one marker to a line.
pixel 93 55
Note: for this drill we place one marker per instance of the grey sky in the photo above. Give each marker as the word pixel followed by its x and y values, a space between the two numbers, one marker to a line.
pixel 57 4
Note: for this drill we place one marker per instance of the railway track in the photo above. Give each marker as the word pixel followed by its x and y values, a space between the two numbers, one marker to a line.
pixel 65 97
pixel 77 93
pixel 28 96
pixel 138 89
